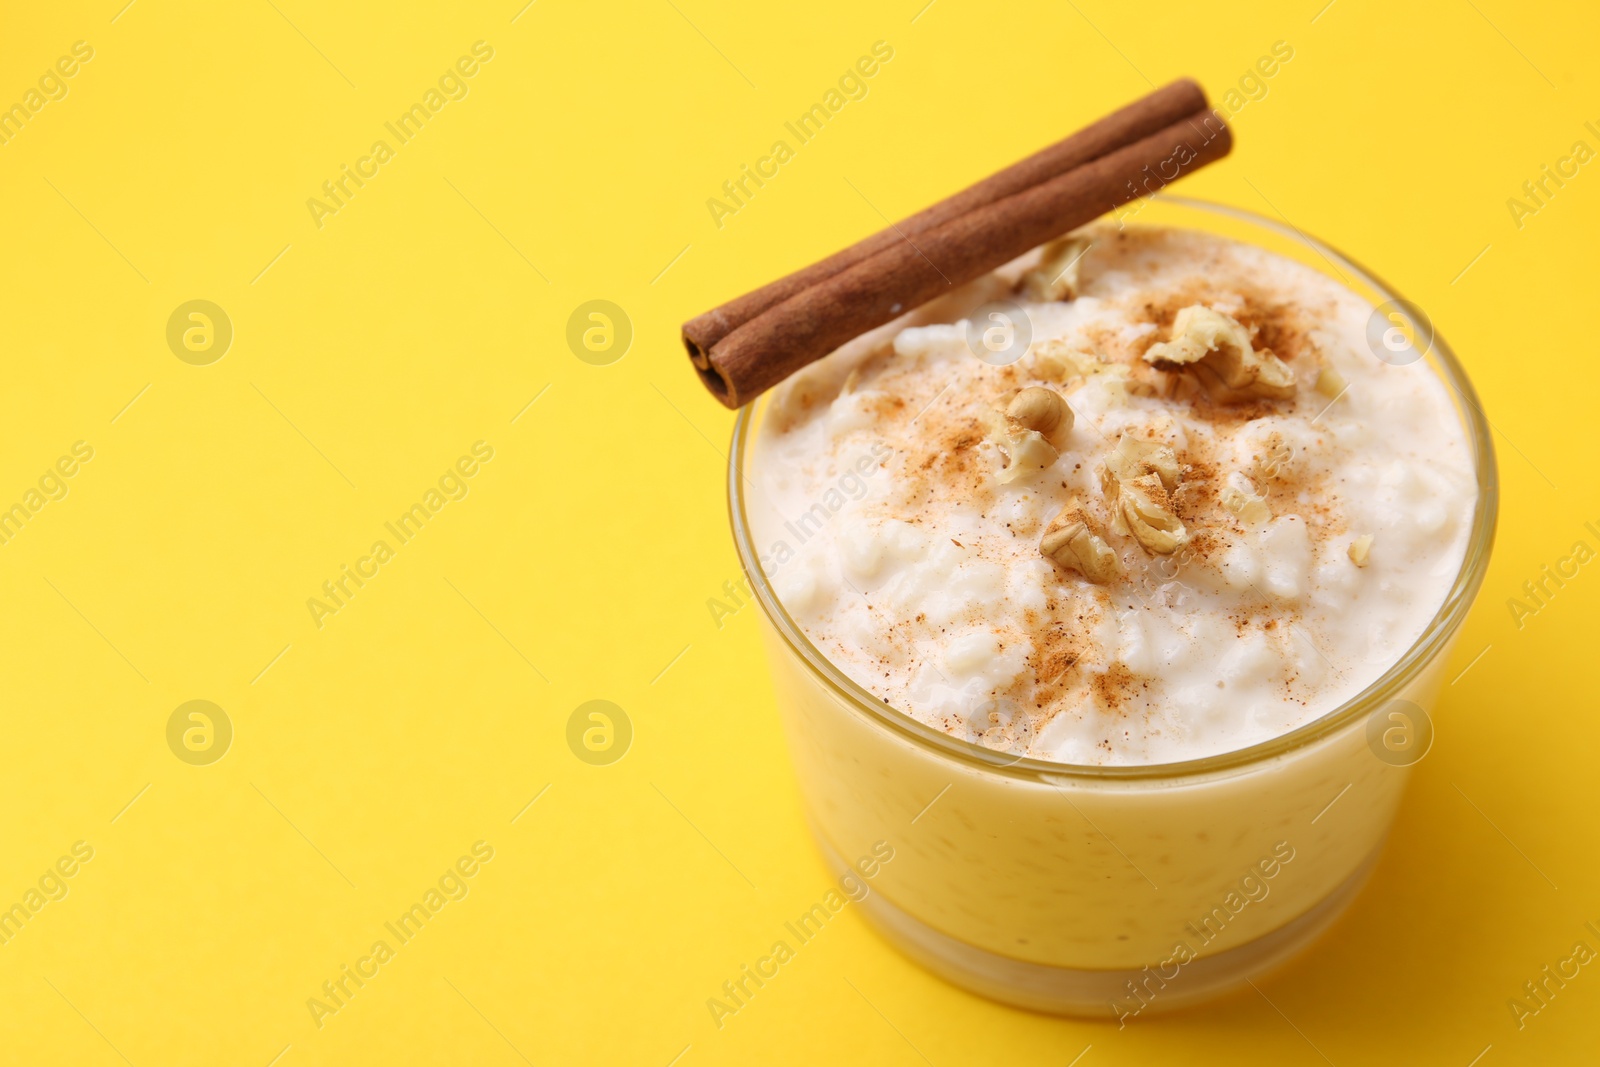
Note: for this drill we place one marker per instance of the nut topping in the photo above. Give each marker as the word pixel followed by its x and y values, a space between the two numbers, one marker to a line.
pixel 1220 345
pixel 1138 477
pixel 1133 457
pixel 1071 541
pixel 1056 360
pixel 1037 408
pixel 1146 507
pixel 1026 452
pixel 1056 276
pixel 1360 549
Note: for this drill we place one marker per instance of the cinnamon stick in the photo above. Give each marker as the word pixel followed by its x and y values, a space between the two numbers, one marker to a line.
pixel 1139 119
pixel 909 272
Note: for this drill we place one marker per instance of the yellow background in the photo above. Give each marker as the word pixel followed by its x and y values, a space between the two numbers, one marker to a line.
pixel 427 713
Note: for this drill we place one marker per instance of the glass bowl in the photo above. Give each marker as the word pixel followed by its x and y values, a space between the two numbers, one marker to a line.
pixel 1113 890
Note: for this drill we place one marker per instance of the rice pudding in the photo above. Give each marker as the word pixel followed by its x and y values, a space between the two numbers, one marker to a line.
pixel 1196 513
pixel 1099 588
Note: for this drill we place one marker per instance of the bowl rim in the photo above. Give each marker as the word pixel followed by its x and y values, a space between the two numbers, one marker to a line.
pixel 1433 640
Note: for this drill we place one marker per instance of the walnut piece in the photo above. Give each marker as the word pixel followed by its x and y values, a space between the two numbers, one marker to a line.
pixel 1220 345
pixel 1037 408
pixel 1147 509
pixel 1133 457
pixel 1026 452
pixel 1138 478
pixel 1360 549
pixel 1055 359
pixel 1072 541
pixel 1056 276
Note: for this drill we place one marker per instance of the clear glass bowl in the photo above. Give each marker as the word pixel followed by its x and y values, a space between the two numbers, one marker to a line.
pixel 1119 890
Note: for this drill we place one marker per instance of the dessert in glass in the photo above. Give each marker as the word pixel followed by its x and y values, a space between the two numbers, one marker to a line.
pixel 1113 590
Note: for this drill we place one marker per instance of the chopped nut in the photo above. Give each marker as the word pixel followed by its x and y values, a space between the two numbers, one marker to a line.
pixel 1330 383
pixel 1241 498
pixel 1138 477
pixel 1037 408
pixel 1359 550
pixel 1197 331
pixel 1147 509
pixel 1180 387
pixel 1133 457
pixel 1220 344
pixel 1056 276
pixel 1027 451
pixel 1108 489
pixel 1072 541
pixel 1055 360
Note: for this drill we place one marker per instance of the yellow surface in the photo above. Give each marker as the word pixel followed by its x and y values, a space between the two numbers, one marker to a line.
pixel 369 754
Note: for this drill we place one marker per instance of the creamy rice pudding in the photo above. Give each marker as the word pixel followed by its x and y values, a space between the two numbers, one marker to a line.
pixel 1101 587
pixel 1196 513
